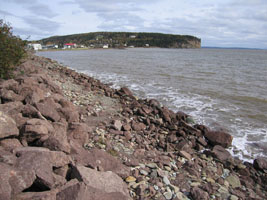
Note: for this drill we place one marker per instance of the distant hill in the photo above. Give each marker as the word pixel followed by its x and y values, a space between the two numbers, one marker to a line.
pixel 123 39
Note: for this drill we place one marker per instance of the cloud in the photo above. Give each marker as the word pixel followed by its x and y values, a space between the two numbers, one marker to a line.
pixel 48 27
pixel 42 10
pixel 5 13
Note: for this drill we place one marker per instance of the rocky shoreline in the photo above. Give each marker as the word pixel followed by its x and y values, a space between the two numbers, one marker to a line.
pixel 64 135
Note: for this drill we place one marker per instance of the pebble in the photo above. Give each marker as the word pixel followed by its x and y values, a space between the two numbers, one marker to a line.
pixel 168 195
pixel 233 197
pixel 143 172
pixel 210 180
pixel 130 179
pixel 166 180
pixel 156 187
pixel 234 181
pixel 195 184
pixel 152 165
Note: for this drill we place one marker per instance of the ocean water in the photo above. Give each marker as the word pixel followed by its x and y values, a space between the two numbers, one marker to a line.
pixel 225 89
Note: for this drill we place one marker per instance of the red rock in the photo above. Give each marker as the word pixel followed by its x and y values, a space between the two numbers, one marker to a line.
pixel 47 195
pixel 220 153
pixel 11 108
pixel 74 190
pixel 8 126
pixel 14 181
pixel 199 194
pixel 36 129
pixel 126 127
pixel 126 91
pixel 41 161
pixel 70 114
pixel 98 158
pixel 219 138
pixel 9 95
pixel 138 126
pixel 48 109
pixel 79 132
pixel 10 144
pixel 57 140
pixel 185 155
pixel 260 163
pixel 105 181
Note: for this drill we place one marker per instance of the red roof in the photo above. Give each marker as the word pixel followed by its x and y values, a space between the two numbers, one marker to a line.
pixel 70 44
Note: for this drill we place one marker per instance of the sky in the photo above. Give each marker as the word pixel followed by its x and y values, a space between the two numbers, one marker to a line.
pixel 220 23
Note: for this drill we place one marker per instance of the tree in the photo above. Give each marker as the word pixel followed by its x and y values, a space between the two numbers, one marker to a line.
pixel 12 50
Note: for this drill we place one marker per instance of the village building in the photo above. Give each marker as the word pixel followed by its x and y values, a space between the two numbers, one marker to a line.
pixel 35 46
pixel 69 45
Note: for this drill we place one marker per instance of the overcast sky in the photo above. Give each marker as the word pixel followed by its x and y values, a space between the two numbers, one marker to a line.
pixel 222 23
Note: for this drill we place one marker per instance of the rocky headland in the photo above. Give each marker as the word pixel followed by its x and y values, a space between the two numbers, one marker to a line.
pixel 65 135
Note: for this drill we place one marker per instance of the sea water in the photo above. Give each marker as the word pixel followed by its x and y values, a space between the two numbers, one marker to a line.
pixel 225 89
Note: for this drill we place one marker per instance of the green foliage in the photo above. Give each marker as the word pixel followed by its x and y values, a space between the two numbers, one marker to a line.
pixel 12 50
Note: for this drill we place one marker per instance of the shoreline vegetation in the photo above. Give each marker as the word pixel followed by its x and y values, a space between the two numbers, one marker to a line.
pixel 65 135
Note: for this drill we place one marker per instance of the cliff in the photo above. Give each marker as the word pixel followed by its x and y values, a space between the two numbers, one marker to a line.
pixel 64 135
pixel 122 39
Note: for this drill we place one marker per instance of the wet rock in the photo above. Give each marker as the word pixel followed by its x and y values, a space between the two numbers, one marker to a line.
pixel 260 163
pixel 8 126
pixel 220 153
pixel 125 91
pixel 219 138
pixel 106 181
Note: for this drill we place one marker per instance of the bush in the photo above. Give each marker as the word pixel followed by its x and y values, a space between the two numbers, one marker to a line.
pixel 12 50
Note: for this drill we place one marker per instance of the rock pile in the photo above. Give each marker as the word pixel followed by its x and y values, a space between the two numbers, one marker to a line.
pixel 64 135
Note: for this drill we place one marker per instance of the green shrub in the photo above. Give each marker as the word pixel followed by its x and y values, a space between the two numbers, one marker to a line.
pixel 12 50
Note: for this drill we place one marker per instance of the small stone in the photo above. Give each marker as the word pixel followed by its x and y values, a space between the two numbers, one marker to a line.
pixel 175 188
pixel 233 197
pixel 167 168
pixel 130 179
pixel 195 184
pixel 166 180
pixel 168 195
pixel 152 165
pixel 210 180
pixel 234 181
pixel 185 155
pixel 143 172
pixel 156 187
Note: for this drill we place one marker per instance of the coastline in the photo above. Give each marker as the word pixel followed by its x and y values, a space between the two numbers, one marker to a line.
pixel 156 153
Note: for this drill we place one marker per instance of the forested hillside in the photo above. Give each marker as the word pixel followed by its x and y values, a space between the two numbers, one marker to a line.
pixel 123 39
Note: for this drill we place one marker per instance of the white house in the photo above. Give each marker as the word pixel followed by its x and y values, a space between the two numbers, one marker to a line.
pixel 36 46
pixel 105 46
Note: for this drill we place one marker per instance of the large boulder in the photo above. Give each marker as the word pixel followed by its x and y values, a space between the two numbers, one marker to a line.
pixel 35 129
pixel 96 158
pixel 57 140
pixel 107 182
pixel 48 109
pixel 42 161
pixel 260 163
pixel 14 181
pixel 8 126
pixel 219 138
pixel 220 153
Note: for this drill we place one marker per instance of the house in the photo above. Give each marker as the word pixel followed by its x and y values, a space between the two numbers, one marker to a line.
pixel 105 46
pixel 35 47
pixel 69 45
pixel 132 36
